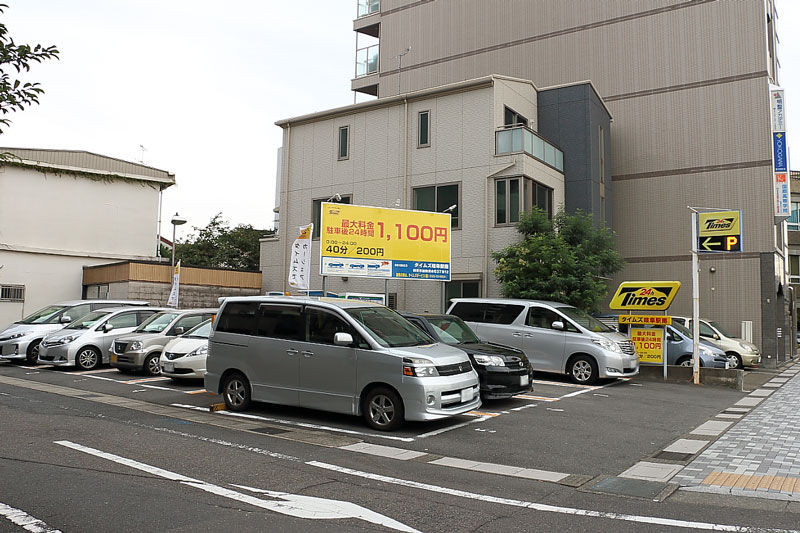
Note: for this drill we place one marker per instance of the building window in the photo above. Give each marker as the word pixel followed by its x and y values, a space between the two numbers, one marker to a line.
pixel 794 269
pixel 461 289
pixel 794 219
pixel 344 199
pixel 424 129
pixel 516 195
pixel 368 7
pixel 344 142
pixel 12 293
pixel 512 118
pixel 438 198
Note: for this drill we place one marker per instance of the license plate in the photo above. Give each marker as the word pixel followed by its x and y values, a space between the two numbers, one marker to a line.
pixel 466 395
pixel 113 358
pixel 169 367
pixel 524 380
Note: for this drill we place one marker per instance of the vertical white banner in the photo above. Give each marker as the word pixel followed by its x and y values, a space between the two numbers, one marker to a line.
pixel 300 262
pixel 176 282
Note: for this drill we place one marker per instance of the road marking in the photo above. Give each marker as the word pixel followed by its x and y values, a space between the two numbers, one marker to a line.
pixel 96 371
pixel 601 395
pixel 199 391
pixel 482 413
pixel 578 393
pixel 146 380
pixel 288 504
pixel 655 520
pixel 559 384
pixel 539 398
pixel 556 410
pixel 28 523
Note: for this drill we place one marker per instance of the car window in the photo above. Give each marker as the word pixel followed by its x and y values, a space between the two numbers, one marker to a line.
pixel 323 325
pixel 201 331
pixel 539 317
pixel 123 320
pixel 487 312
pixel 280 322
pixel 389 328
pixel 156 322
pixel 238 317
pixel 141 316
pixel 453 330
pixel 187 322
pixel 705 330
pixel 78 311
pixel 721 330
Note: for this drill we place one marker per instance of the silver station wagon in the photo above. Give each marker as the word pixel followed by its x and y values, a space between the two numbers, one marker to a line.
pixel 345 356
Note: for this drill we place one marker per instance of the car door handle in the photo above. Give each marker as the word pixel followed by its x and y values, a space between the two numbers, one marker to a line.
pixel 306 353
pixel 292 352
pixel 528 335
pixel 516 334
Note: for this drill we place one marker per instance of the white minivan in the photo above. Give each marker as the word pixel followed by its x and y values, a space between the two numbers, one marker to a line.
pixel 345 356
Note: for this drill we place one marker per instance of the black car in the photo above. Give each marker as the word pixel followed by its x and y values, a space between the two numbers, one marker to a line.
pixel 503 371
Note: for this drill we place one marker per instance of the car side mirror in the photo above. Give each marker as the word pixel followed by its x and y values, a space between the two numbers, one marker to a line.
pixel 65 319
pixel 342 339
pixel 178 331
pixel 716 337
pixel 107 327
pixel 558 325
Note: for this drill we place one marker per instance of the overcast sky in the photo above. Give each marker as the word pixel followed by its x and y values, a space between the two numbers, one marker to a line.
pixel 200 84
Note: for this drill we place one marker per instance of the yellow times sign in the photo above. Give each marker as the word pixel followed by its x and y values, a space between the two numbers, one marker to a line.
pixel 649 343
pixel 719 223
pixel 644 295
pixel 655 320
pixel 376 242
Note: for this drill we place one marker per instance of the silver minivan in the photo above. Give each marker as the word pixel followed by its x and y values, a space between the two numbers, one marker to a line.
pixel 556 337
pixel 345 356
pixel 85 342
pixel 21 339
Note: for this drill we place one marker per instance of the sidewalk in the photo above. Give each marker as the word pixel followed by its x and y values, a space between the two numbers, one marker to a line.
pixel 760 455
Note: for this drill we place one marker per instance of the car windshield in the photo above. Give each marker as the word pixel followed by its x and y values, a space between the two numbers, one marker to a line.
pixel 452 330
pixel 388 328
pixel 48 315
pixel 156 323
pixel 722 330
pixel 87 321
pixel 683 330
pixel 200 331
pixel 584 319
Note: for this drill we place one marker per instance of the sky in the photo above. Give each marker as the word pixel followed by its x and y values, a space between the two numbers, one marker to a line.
pixel 195 89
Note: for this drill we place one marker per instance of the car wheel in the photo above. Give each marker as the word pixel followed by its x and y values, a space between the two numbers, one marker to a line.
pixel 236 391
pixel 87 358
pixel 734 361
pixel 151 365
pixel 687 361
pixel 32 354
pixel 383 409
pixel 583 370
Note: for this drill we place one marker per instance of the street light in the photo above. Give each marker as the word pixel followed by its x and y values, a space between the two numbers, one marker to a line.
pixel 177 220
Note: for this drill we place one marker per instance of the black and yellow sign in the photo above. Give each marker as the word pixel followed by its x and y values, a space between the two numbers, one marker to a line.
pixel 654 320
pixel 649 344
pixel 719 231
pixel 644 295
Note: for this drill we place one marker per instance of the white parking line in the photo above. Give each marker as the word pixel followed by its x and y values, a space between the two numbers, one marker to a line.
pixel 560 384
pixel 671 522
pixel 26 521
pixel 578 393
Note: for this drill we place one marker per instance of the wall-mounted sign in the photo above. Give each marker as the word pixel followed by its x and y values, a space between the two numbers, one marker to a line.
pixel 719 231
pixel 644 295
pixel 655 320
pixel 780 164
pixel 375 242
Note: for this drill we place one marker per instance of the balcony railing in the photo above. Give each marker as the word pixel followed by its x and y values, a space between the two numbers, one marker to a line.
pixel 522 140
pixel 367 60
pixel 368 7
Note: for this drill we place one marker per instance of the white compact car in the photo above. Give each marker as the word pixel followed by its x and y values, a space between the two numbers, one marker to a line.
pixel 184 357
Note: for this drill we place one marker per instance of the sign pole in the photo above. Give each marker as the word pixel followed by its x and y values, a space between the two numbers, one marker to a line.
pixel 695 304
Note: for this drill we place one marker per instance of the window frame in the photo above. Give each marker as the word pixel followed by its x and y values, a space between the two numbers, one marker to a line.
pixel 12 293
pixel 316 214
pixel 427 144
pixel 506 111
pixel 528 193
pixel 346 156
pixel 458 216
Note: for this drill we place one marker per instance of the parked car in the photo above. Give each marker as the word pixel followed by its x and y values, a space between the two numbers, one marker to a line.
pixel 345 356
pixel 556 337
pixel 740 352
pixel 85 342
pixel 185 356
pixel 503 371
pixel 20 340
pixel 680 348
pixel 141 350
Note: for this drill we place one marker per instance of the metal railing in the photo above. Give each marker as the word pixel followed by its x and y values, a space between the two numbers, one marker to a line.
pixel 367 60
pixel 520 139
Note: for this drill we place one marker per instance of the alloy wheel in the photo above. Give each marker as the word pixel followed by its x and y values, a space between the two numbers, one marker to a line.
pixel 381 410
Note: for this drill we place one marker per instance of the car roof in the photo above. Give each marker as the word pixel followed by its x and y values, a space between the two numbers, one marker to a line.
pixel 337 302
pixel 518 301
pixel 95 301
pixel 130 308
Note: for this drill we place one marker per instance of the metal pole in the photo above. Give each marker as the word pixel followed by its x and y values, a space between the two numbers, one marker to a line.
pixel 386 292
pixel 324 287
pixel 173 246
pixel 695 304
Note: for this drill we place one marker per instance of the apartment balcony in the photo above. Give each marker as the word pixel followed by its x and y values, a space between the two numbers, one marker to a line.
pixel 367 67
pixel 368 18
pixel 525 141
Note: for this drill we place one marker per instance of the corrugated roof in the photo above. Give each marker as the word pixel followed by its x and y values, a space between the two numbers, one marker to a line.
pixel 82 161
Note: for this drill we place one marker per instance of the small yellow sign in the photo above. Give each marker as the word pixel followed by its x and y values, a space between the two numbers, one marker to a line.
pixel 644 295
pixel 719 223
pixel 649 343
pixel 656 320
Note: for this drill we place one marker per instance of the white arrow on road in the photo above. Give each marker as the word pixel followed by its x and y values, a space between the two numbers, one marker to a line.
pixel 289 504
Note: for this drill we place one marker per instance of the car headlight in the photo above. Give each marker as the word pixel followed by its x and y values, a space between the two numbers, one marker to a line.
pixel 489 360
pixel 68 339
pixel 135 345
pixel 747 347
pixel 419 367
pixel 16 336
pixel 606 344
pixel 202 350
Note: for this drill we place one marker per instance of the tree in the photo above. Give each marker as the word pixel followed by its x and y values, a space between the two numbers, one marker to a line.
pixel 564 259
pixel 216 245
pixel 16 95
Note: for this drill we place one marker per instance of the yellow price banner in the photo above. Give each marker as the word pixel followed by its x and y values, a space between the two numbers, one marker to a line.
pixel 649 343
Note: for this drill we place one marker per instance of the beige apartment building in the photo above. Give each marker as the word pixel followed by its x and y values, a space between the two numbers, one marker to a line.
pixel 686 82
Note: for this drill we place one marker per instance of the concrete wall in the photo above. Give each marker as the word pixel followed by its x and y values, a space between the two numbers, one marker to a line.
pixel 190 296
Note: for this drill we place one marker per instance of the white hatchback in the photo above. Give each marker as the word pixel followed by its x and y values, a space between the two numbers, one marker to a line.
pixel 184 357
